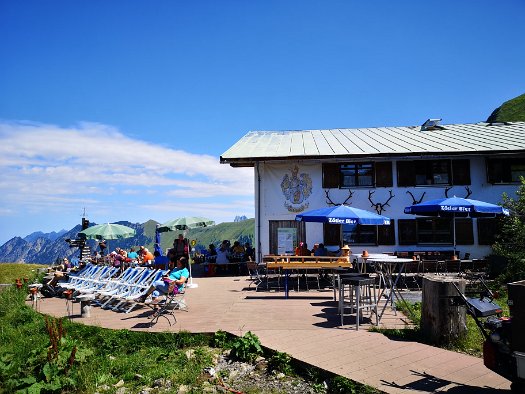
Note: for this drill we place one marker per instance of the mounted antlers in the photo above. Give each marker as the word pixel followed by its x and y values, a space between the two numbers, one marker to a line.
pixel 414 201
pixel 330 202
pixel 469 192
pixel 380 207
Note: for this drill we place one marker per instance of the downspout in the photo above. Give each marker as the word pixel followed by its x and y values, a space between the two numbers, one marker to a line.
pixel 258 231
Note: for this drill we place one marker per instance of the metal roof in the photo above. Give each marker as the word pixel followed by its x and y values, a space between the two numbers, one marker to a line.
pixel 454 139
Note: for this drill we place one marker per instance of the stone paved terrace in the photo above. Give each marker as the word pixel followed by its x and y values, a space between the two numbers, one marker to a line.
pixel 306 327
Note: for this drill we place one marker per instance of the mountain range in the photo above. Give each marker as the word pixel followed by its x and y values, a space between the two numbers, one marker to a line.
pixel 46 248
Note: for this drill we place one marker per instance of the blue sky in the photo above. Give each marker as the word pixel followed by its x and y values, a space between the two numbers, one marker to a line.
pixel 124 107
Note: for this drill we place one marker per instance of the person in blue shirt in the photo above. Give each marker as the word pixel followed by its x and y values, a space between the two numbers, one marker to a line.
pixel 321 251
pixel 132 254
pixel 177 277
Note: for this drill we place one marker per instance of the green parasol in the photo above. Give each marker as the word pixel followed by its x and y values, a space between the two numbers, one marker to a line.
pixel 108 231
pixel 185 223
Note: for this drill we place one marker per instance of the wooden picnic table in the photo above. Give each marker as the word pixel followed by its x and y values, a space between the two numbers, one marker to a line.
pixel 288 263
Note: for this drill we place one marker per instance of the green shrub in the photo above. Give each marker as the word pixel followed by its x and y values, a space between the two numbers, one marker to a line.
pixel 221 339
pixel 342 385
pixel 280 361
pixel 246 348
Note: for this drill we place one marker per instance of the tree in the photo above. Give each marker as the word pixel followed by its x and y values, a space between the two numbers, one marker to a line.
pixel 510 242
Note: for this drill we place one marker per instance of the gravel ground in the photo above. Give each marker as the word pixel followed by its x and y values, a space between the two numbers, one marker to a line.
pixel 228 376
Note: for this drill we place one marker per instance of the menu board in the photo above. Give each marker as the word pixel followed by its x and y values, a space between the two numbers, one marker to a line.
pixel 286 240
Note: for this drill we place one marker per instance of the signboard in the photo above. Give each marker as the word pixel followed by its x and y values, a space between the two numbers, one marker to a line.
pixel 286 239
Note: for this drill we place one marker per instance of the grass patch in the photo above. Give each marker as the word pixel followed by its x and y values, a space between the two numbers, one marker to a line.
pixel 9 272
pixel 42 354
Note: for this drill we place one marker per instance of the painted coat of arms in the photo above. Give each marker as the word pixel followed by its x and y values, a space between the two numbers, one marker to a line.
pixel 296 189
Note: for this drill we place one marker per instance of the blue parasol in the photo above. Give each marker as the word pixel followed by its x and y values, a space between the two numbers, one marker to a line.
pixel 343 214
pixel 456 207
pixel 157 240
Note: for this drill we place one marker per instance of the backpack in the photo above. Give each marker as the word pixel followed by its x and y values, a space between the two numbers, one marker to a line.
pixel 48 291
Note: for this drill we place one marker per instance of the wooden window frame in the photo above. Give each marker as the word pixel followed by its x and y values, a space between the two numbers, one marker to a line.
pixel 504 174
pixel 332 175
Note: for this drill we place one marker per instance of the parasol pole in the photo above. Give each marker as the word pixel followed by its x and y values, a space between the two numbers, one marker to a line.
pixel 454 231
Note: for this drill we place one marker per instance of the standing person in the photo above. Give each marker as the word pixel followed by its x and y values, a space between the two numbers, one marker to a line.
pixel 223 255
pixel 249 252
pixel 102 245
pixel 180 248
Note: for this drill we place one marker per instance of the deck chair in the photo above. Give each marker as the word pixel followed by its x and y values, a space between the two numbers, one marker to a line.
pixel 109 296
pixel 91 285
pixel 132 299
pixel 75 280
pixel 132 290
pixel 173 301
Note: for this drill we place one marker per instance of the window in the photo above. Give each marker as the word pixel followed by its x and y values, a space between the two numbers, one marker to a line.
pixel 350 175
pixel 433 172
pixel 431 230
pixel 357 234
pixel 430 172
pixel 357 174
pixel 434 231
pixel 505 170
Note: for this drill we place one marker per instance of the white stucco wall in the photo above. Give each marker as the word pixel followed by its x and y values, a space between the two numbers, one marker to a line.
pixel 272 202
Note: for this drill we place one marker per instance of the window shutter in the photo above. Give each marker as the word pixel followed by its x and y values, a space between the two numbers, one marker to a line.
pixel 331 175
pixel 464 232
pixel 407 230
pixel 332 234
pixel 487 228
pixel 384 174
pixel 461 172
pixel 386 234
pixel 406 175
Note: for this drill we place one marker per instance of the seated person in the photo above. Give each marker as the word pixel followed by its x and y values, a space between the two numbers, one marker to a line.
pixel 302 250
pixel 60 273
pixel 147 258
pixel 344 253
pixel 321 251
pixel 132 254
pixel 238 248
pixel 117 258
pixel 177 277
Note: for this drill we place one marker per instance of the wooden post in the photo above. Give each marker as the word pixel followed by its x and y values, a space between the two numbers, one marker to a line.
pixel 442 323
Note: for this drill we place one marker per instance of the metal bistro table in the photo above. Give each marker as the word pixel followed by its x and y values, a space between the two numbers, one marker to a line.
pixel 290 263
pixel 361 260
pixel 389 271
